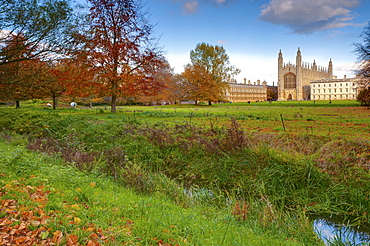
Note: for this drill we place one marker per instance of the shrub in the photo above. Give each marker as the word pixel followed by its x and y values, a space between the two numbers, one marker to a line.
pixel 364 97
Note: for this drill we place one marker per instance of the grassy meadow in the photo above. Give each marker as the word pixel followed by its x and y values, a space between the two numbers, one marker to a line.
pixel 227 174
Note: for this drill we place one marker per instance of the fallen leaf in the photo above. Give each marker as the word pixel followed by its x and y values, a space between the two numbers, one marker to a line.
pixel 57 238
pixel 44 234
pixel 77 220
pixel 72 240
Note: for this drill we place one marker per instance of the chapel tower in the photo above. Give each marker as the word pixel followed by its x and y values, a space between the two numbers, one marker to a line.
pixel 294 79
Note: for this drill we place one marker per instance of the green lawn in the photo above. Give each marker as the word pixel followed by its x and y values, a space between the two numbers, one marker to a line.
pixel 227 174
pixel 58 204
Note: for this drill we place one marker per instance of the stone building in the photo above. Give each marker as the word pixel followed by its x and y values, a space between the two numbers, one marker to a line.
pixel 335 89
pixel 245 92
pixel 294 79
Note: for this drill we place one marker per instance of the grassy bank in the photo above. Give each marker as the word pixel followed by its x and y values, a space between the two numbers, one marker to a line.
pixel 45 202
pixel 207 160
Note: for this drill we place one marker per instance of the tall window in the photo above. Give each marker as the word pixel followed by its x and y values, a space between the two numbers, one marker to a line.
pixel 289 81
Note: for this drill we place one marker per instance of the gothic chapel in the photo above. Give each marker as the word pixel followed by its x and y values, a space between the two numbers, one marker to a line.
pixel 294 80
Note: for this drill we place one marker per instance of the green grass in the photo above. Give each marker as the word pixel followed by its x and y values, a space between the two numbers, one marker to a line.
pixel 338 119
pixel 85 205
pixel 232 165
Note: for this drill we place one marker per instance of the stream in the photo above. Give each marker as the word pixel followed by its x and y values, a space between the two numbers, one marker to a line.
pixel 335 230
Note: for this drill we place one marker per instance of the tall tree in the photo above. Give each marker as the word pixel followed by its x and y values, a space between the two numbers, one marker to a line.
pixel 200 84
pixel 40 25
pixel 121 49
pixel 363 56
pixel 81 81
pixel 164 75
pixel 54 83
pixel 216 61
pixel 19 80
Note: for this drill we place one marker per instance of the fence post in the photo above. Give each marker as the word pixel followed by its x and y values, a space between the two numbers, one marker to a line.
pixel 282 121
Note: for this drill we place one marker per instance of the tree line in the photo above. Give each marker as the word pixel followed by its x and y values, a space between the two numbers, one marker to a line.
pixel 50 49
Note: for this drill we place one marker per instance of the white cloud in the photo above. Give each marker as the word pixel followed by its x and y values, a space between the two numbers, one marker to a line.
pixel 342 69
pixel 304 17
pixel 178 61
pixel 255 68
pixel 221 42
pixel 190 7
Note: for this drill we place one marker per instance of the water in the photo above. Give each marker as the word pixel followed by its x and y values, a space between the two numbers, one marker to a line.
pixel 334 231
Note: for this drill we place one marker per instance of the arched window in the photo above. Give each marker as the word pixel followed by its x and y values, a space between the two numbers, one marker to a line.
pixel 289 81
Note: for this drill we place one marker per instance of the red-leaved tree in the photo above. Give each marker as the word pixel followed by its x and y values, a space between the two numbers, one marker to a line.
pixel 118 45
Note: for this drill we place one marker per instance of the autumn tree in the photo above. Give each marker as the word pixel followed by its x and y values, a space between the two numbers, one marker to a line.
pixel 215 60
pixel 19 80
pixel 54 81
pixel 120 47
pixel 164 75
pixel 40 25
pixel 79 79
pixel 200 85
pixel 178 89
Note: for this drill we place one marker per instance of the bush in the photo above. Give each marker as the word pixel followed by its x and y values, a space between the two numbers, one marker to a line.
pixel 364 97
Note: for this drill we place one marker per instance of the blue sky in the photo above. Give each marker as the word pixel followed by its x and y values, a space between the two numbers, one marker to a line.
pixel 253 32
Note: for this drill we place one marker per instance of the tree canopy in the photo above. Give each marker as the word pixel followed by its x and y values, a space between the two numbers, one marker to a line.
pixel 200 85
pixel 32 33
pixel 119 45
pixel 19 80
pixel 363 56
pixel 364 97
pixel 40 25
pixel 215 60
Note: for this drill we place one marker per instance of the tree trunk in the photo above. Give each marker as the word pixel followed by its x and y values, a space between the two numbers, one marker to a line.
pixel 91 102
pixel 209 103
pixel 114 103
pixel 17 104
pixel 54 102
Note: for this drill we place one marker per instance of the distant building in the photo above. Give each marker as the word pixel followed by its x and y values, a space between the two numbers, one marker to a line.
pixel 335 89
pixel 294 80
pixel 247 92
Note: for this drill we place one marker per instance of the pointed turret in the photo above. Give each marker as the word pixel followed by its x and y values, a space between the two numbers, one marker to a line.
pixel 298 58
pixel 330 68
pixel 280 59
pixel 298 74
pixel 280 74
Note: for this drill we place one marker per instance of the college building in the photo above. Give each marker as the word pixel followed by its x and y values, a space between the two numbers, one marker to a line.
pixel 246 92
pixel 335 89
pixel 305 81
pixel 299 81
pixel 294 79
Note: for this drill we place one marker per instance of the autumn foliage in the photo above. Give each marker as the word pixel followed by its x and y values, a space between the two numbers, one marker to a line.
pixel 18 74
pixel 209 71
pixel 200 84
pixel 28 223
pixel 118 47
